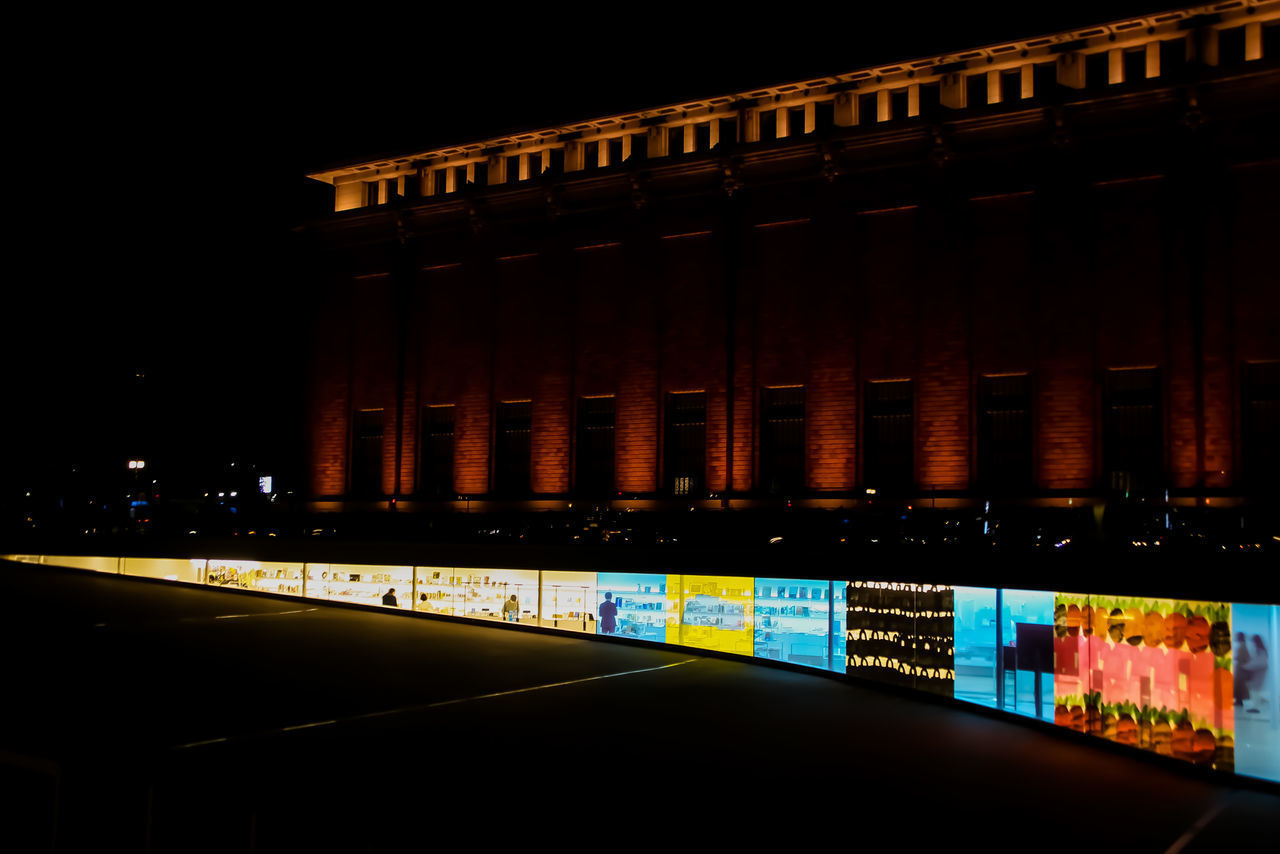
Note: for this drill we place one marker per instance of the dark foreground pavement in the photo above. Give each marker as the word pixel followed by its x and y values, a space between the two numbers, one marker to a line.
pixel 147 716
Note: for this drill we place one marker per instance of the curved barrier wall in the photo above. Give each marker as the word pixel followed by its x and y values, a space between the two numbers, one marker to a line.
pixel 1188 679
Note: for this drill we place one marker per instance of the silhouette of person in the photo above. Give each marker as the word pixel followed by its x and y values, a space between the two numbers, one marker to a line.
pixel 608 615
pixel 390 598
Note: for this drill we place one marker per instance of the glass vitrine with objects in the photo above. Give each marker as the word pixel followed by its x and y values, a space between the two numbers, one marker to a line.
pixel 716 612
pixel 635 605
pixel 264 576
pixel 364 584
pixel 794 621
pixel 434 591
pixel 569 601
pixel 510 595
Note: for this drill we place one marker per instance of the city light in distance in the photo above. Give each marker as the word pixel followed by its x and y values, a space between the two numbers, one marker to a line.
pixel 137 464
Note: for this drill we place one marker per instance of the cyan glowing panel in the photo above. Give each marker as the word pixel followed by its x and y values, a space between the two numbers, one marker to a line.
pixel 569 601
pixel 793 621
pixel 1028 669
pixel 1256 687
pixel 838 622
pixel 634 605
pixel 977 652
pixel 1150 673
pixel 715 612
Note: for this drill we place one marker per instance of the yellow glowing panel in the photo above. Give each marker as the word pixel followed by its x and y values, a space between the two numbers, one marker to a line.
pixel 94 564
pixel 434 591
pixel 487 594
pixel 712 612
pixel 170 569
pixel 264 576
pixel 362 583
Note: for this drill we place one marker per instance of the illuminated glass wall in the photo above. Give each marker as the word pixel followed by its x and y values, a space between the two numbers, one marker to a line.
pixel 715 612
pixel 977 649
pixel 263 576
pixel 568 601
pixel 795 621
pixel 902 634
pixel 362 584
pixel 168 569
pixel 634 605
pixel 1255 688
pixel 1149 673
pixel 434 591
pixel 510 595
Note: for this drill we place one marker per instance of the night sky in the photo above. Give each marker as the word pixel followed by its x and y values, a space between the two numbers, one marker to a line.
pixel 163 161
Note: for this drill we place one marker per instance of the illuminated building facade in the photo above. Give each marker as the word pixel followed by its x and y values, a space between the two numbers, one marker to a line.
pixel 1039 269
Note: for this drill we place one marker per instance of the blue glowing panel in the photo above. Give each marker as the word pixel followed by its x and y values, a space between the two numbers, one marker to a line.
pixel 976 647
pixel 793 621
pixel 633 605
pixel 1255 689
pixel 1028 666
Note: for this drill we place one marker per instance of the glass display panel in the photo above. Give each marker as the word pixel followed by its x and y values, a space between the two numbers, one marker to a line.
pixel 715 612
pixel 1255 688
pixel 838 622
pixel 1028 669
pixel 976 647
pixel 1150 673
pixel 93 564
pixel 634 605
pixel 498 594
pixel 568 601
pixel 793 621
pixel 434 590
pixel 902 634
pixel 268 577
pixel 361 583
pixel 170 569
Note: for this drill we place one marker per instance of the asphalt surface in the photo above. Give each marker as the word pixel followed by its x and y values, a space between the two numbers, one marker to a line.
pixel 157 717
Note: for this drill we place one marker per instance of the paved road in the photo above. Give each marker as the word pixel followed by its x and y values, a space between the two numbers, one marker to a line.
pixel 170 718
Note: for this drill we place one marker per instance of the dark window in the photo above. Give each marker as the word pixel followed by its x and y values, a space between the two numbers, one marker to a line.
pixel 435 452
pixel 795 121
pixel 595 446
pixel 824 116
pixel 366 453
pixel 675 141
pixel 898 104
pixel 889 438
pixel 535 164
pixel 1231 46
pixel 591 154
pixel 768 125
pixel 977 86
pixel 412 185
pixel 685 450
pixel 867 108
pixel 481 175
pixel 554 158
pixel 1135 66
pixel 1260 424
pixel 1004 433
pixel 615 151
pixel 1011 86
pixel 1270 39
pixel 639 146
pixel 1132 430
pixel 511 466
pixel 930 100
pixel 728 131
pixel 1097 70
pixel 442 182
pixel 513 168
pixel 702 137
pixel 1173 58
pixel 1046 83
pixel 371 192
pixel 782 440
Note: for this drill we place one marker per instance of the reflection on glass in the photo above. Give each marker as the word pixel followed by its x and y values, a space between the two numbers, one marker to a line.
pixel 976 646
pixel 633 605
pixel 1256 686
pixel 715 612
pixel 1151 673
pixel 569 601
pixel 793 621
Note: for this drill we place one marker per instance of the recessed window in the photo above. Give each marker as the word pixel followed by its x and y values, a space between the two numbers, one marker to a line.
pixel 594 458
pixel 1132 430
pixel 435 452
pixel 512 448
pixel 685 443
pixel 1004 433
pixel 366 453
pixel 782 440
pixel 889 436
pixel 1260 424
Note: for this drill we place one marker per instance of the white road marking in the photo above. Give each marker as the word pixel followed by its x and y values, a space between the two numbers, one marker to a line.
pixel 440 703
pixel 1201 823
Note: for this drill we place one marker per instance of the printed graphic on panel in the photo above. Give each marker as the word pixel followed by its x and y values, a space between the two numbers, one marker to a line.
pixel 715 612
pixel 1256 687
pixel 633 605
pixel 794 621
pixel 902 634
pixel 1150 673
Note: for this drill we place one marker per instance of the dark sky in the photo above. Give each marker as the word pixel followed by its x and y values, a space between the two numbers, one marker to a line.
pixel 163 164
